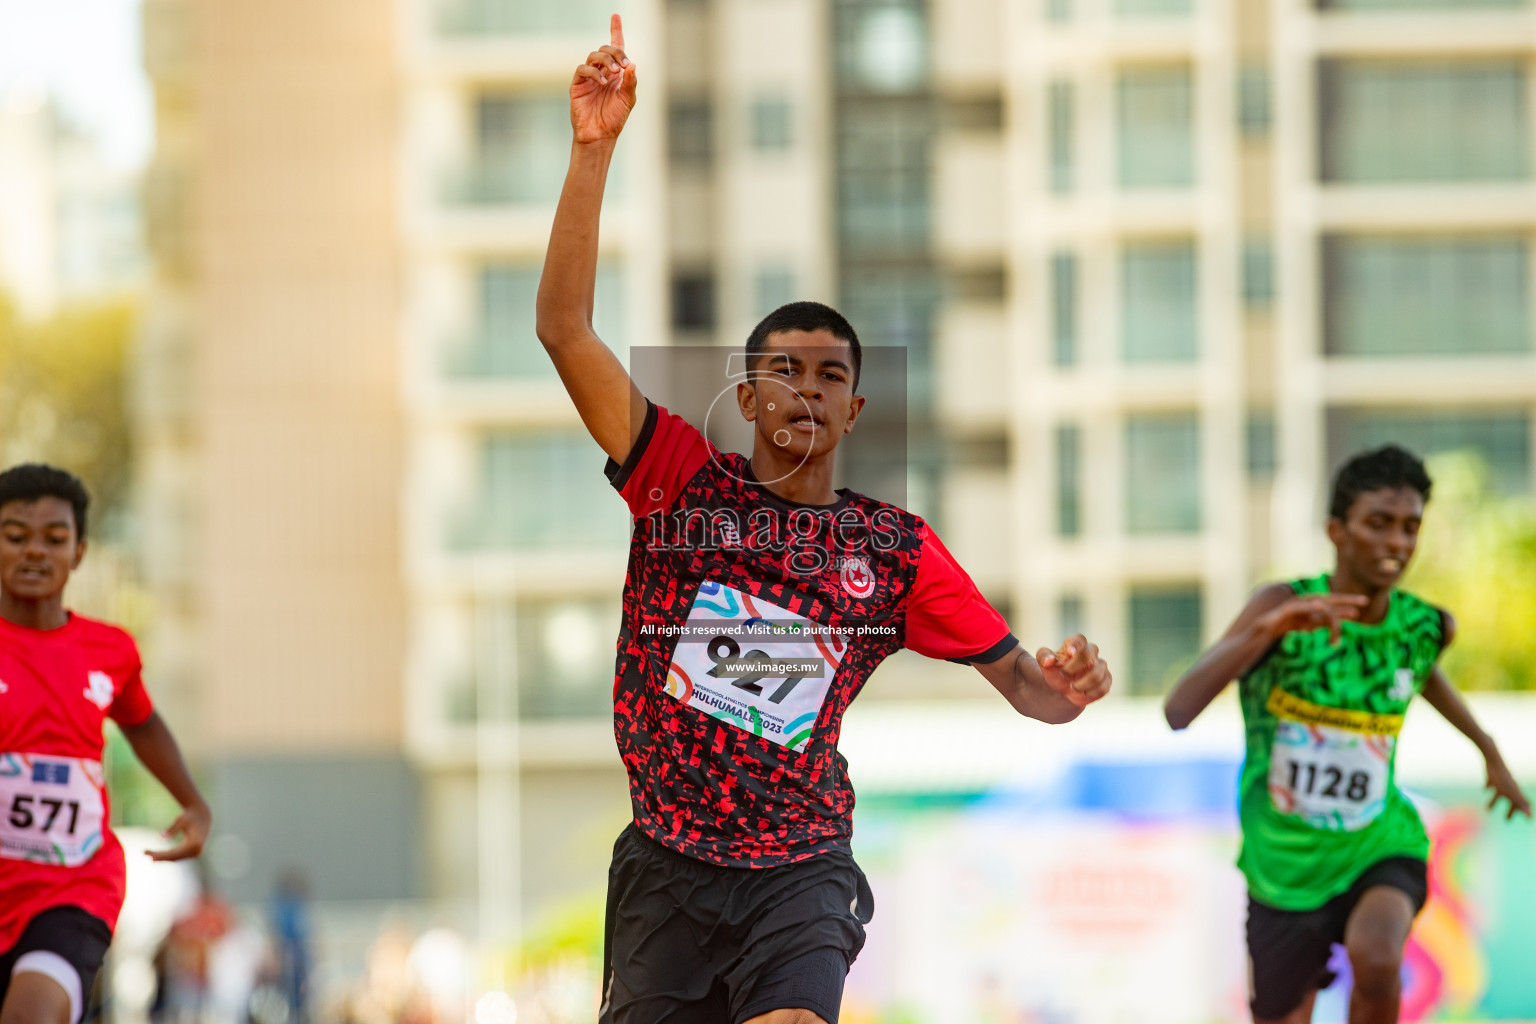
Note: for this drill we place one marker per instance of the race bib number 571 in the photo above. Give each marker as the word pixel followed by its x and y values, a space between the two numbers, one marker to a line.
pixel 51 809
pixel 753 664
pixel 1330 767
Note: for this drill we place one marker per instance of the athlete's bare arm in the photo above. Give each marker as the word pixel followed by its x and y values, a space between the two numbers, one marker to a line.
pixel 1053 686
pixel 602 95
pixel 1446 699
pixel 154 745
pixel 1273 611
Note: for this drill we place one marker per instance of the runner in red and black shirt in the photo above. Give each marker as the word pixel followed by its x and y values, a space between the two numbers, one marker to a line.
pixel 758 601
pixel 62 872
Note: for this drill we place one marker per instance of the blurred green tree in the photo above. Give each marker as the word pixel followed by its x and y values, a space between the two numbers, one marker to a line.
pixel 1477 559
pixel 63 398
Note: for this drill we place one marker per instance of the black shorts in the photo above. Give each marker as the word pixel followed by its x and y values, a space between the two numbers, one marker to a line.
pixel 79 939
pixel 1288 950
pixel 686 942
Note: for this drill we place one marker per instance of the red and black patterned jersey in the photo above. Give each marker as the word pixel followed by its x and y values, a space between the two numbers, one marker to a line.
pixel 750 623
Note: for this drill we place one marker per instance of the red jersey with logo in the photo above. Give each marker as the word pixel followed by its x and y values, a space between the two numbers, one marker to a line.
pixel 750 623
pixel 57 688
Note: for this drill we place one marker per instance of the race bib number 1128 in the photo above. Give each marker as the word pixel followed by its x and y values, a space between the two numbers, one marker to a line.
pixel 1330 767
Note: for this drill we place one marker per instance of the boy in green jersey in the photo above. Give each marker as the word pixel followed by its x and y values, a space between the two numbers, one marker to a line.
pixel 1332 850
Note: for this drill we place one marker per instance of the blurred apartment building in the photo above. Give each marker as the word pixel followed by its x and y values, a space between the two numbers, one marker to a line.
pixel 1157 265
pixel 69 219
pixel 1247 239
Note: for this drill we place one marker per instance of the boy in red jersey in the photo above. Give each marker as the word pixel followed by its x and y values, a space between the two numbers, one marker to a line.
pixel 62 872
pixel 758 601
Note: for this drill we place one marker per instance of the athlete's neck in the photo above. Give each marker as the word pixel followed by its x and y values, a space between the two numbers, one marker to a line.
pixel 805 483
pixel 45 613
pixel 1342 581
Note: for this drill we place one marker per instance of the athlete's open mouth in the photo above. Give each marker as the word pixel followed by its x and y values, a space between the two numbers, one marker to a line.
pixel 806 422
pixel 1390 565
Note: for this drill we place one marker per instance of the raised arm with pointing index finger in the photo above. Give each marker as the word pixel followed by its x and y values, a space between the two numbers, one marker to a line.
pixel 611 407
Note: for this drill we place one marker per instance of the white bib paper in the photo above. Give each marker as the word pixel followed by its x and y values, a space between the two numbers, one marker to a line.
pixel 726 625
pixel 51 808
pixel 1330 777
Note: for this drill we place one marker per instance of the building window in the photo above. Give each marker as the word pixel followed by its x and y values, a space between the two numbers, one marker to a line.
pixel 882 45
pixel 897 306
pixel 693 302
pixel 1417 5
pixel 771 129
pixel 565 657
pixel 1159 319
pixel 1258 273
pixel 1064 308
pixel 1501 437
pixel 1151 8
pixel 690 132
pixel 1253 100
pixel 523 143
pixel 1062 141
pixel 1440 120
pixel 1426 295
pixel 517 17
pixel 502 342
pixel 1069 615
pixel 537 492
pixel 883 178
pixel 771 288
pixel 1069 483
pixel 1262 457
pixel 1162 473
pixel 1155 126
pixel 1164 635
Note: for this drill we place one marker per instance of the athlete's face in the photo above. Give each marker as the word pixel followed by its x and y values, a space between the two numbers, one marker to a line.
pixel 1378 535
pixel 801 397
pixel 39 548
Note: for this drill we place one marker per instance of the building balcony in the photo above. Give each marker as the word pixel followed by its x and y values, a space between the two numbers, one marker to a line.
pixel 1468 31
pixel 1098 33
pixel 1431 206
pixel 501 40
pixel 475 19
pixel 519 179
pixel 492 206
pixel 1450 379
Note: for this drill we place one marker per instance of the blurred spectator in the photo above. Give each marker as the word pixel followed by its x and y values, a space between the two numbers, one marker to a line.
pixel 439 968
pixel 291 930
pixel 385 990
pixel 182 963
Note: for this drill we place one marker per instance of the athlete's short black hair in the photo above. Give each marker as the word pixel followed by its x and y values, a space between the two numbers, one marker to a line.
pixel 32 480
pixel 806 316
pixel 1388 466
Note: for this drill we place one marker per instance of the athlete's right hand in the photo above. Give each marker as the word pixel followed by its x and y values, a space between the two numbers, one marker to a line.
pixel 603 89
pixel 192 825
pixel 1313 611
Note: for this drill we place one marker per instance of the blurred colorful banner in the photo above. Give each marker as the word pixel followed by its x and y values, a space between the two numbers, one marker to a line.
pixel 1109 896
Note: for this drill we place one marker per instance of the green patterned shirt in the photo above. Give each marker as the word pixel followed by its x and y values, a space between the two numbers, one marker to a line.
pixel 1319 799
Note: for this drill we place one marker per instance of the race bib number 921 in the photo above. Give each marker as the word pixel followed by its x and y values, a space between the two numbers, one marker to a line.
pixel 753 664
